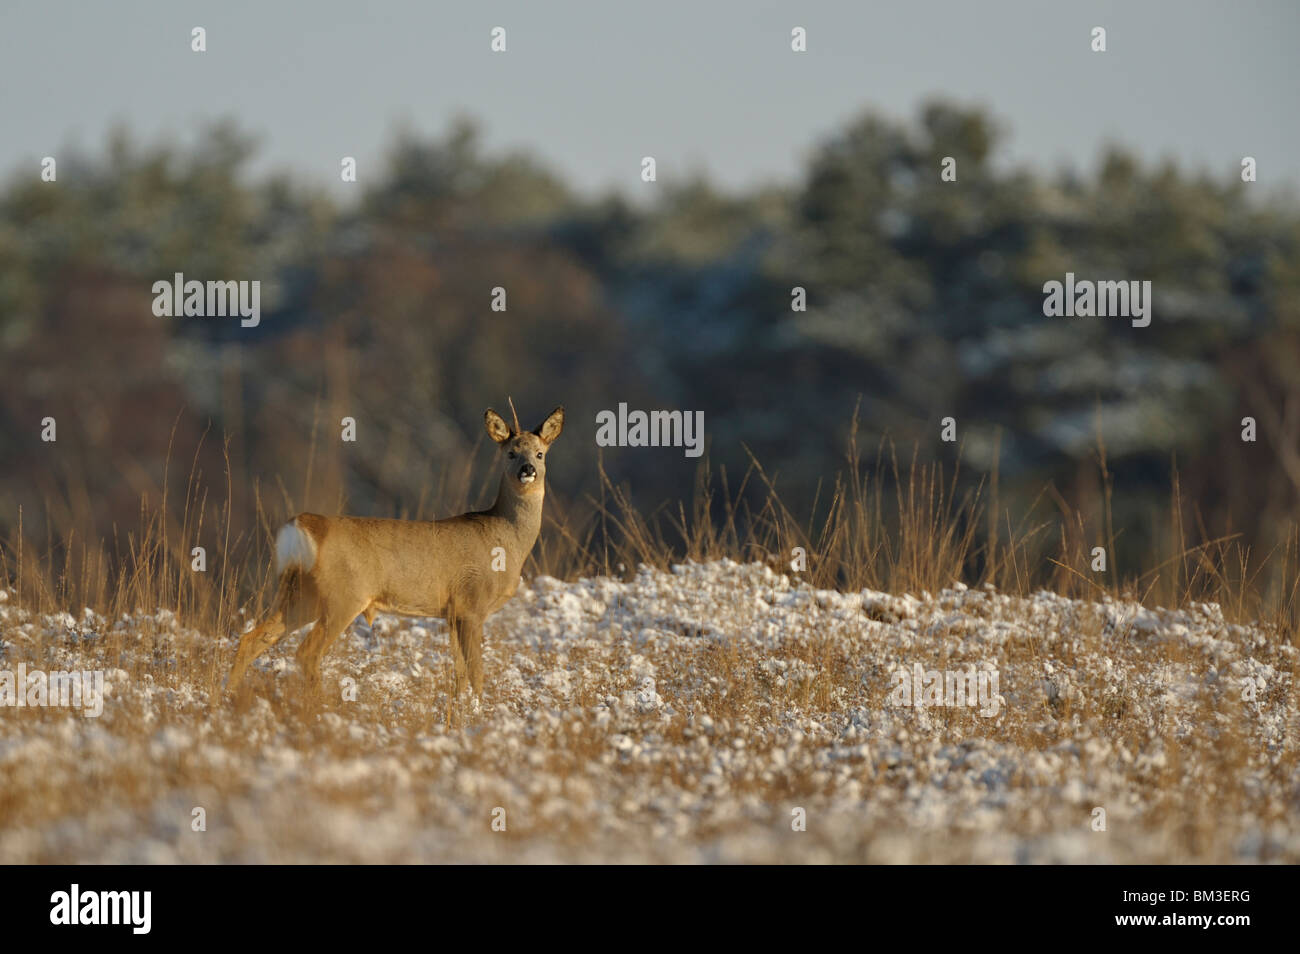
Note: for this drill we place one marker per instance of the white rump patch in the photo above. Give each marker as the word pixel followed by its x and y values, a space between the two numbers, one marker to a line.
pixel 294 548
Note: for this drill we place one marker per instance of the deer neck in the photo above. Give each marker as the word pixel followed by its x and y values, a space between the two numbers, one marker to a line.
pixel 523 512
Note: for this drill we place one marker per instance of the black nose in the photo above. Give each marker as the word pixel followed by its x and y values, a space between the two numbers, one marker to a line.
pixel 528 470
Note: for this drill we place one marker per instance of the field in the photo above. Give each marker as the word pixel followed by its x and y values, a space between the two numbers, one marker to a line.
pixel 710 712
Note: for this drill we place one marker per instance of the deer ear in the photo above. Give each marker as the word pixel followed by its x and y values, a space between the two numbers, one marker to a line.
pixel 550 428
pixel 497 427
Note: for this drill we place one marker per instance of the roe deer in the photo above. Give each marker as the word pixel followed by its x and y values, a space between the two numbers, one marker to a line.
pixel 463 569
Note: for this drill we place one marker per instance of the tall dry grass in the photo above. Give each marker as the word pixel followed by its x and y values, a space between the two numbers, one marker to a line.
pixel 884 523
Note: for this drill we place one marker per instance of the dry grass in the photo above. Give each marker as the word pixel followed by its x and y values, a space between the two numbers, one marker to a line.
pixel 772 691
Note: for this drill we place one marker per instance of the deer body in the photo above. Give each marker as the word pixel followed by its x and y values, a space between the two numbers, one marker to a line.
pixel 462 569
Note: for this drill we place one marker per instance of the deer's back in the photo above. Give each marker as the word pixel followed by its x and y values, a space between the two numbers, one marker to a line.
pixel 418 567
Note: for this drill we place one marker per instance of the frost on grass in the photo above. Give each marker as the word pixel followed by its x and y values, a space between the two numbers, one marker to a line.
pixel 679 717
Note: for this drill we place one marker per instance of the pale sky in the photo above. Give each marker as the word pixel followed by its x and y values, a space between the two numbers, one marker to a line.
pixel 591 87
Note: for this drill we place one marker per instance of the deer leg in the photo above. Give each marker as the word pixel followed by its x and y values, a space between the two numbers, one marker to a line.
pixel 328 628
pixel 253 643
pixel 295 606
pixel 458 658
pixel 471 645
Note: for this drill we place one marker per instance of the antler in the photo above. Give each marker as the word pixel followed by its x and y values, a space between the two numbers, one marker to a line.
pixel 514 414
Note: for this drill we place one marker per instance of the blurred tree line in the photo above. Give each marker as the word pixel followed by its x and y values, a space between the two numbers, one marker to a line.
pixel 924 301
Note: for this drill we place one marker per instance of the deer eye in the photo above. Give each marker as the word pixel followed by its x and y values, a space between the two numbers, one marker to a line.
pixel 539 455
pixel 512 455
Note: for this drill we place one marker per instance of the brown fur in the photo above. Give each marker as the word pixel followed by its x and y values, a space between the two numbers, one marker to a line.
pixel 440 568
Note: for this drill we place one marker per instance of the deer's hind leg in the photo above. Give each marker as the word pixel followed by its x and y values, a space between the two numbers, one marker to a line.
pixel 334 619
pixel 294 608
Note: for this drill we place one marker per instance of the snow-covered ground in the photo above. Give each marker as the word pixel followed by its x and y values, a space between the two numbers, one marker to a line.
pixel 717 713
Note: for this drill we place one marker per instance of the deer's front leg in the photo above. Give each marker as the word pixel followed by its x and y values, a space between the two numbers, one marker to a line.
pixel 472 641
pixel 467 652
pixel 455 625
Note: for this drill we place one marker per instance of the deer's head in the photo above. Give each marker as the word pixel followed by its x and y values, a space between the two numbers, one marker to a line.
pixel 523 453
